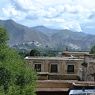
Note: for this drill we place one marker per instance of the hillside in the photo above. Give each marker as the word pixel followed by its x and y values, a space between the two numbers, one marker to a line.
pixel 19 34
pixel 45 37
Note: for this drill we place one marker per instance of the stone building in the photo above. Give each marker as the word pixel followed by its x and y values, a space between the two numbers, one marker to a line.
pixel 75 54
pixel 56 68
pixel 68 68
pixel 89 67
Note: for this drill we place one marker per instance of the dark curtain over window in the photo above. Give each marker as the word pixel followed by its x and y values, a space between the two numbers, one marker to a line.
pixel 54 68
pixel 38 67
pixel 70 68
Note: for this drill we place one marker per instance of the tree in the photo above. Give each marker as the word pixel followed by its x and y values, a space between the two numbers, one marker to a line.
pixel 92 51
pixel 34 52
pixel 3 36
pixel 5 77
pixel 16 78
pixel 50 53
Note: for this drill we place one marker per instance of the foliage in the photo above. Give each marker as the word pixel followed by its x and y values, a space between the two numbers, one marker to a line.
pixel 34 52
pixel 5 77
pixel 16 78
pixel 3 36
pixel 50 53
pixel 23 53
pixel 92 51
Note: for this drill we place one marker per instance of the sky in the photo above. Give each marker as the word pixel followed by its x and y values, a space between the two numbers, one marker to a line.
pixel 76 15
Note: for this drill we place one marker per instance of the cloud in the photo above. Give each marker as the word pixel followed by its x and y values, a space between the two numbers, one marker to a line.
pixel 60 23
pixel 24 4
pixel 69 14
pixel 10 12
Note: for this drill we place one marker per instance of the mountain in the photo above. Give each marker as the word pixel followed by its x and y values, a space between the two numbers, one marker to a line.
pixel 19 34
pixel 15 31
pixel 40 36
pixel 45 30
pixel 73 40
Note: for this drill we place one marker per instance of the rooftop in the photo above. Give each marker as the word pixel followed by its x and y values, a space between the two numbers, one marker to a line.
pixel 76 52
pixel 52 58
pixel 60 85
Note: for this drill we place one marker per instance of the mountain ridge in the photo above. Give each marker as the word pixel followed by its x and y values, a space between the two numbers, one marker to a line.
pixel 45 36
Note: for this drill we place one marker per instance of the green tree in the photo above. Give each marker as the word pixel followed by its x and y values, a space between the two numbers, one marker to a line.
pixel 5 77
pixel 34 52
pixel 92 51
pixel 3 36
pixel 16 78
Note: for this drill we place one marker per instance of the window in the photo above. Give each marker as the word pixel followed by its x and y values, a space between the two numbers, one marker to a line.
pixel 70 68
pixel 54 68
pixel 37 67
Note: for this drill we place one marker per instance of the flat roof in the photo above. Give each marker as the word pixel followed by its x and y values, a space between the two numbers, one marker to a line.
pixel 52 58
pixel 57 81
pixel 49 85
pixel 74 82
pixel 52 89
pixel 76 52
pixel 85 83
pixel 65 85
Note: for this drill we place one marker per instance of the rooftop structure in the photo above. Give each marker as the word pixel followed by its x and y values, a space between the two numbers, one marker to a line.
pixel 74 54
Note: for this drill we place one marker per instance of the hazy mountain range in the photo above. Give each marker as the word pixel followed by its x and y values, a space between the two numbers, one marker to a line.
pixel 45 37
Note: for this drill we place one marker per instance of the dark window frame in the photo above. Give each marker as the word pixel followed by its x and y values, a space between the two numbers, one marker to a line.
pixel 54 68
pixel 70 68
pixel 37 67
